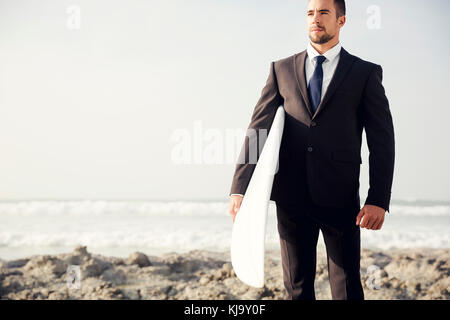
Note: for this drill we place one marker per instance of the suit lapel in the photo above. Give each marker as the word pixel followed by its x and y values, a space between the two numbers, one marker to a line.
pixel 345 62
pixel 300 75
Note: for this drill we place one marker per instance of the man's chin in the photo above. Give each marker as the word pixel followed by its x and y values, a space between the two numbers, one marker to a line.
pixel 319 40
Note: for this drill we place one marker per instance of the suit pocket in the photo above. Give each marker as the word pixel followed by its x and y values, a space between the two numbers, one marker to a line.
pixel 347 156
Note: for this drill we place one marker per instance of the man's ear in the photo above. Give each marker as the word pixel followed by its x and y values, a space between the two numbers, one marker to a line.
pixel 341 21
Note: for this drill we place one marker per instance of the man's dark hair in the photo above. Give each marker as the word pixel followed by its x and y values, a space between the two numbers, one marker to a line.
pixel 340 8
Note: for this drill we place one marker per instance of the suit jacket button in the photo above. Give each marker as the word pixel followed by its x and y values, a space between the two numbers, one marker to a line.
pixel 313 124
pixel 310 149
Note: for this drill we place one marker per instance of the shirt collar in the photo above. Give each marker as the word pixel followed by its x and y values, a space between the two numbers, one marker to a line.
pixel 331 54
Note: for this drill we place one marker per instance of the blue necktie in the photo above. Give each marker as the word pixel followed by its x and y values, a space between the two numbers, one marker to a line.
pixel 315 84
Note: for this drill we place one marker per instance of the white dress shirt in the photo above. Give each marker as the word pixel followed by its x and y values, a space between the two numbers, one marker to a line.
pixel 328 67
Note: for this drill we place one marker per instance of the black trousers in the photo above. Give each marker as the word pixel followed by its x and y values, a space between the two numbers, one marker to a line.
pixel 299 226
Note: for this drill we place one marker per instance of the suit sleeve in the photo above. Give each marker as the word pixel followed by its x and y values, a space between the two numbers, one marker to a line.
pixel 378 125
pixel 262 118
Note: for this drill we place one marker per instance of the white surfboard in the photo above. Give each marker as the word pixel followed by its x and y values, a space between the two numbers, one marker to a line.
pixel 249 227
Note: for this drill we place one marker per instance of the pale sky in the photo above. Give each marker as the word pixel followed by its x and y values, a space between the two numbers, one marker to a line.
pixel 90 113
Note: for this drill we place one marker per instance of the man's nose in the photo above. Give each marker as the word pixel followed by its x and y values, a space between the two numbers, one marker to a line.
pixel 316 17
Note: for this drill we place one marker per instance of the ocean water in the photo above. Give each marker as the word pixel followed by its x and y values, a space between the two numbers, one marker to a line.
pixel 118 228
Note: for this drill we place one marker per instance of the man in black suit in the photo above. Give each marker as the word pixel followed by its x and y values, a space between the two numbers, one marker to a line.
pixel 329 97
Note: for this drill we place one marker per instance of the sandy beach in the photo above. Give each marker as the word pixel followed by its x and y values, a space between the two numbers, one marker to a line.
pixel 200 274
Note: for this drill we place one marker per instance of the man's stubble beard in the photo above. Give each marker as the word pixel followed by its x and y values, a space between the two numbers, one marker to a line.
pixel 323 39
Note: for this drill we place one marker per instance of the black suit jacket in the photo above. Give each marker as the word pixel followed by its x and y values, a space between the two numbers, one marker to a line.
pixel 321 153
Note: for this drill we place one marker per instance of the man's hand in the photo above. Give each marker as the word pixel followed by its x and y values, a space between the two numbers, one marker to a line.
pixel 235 205
pixel 373 217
